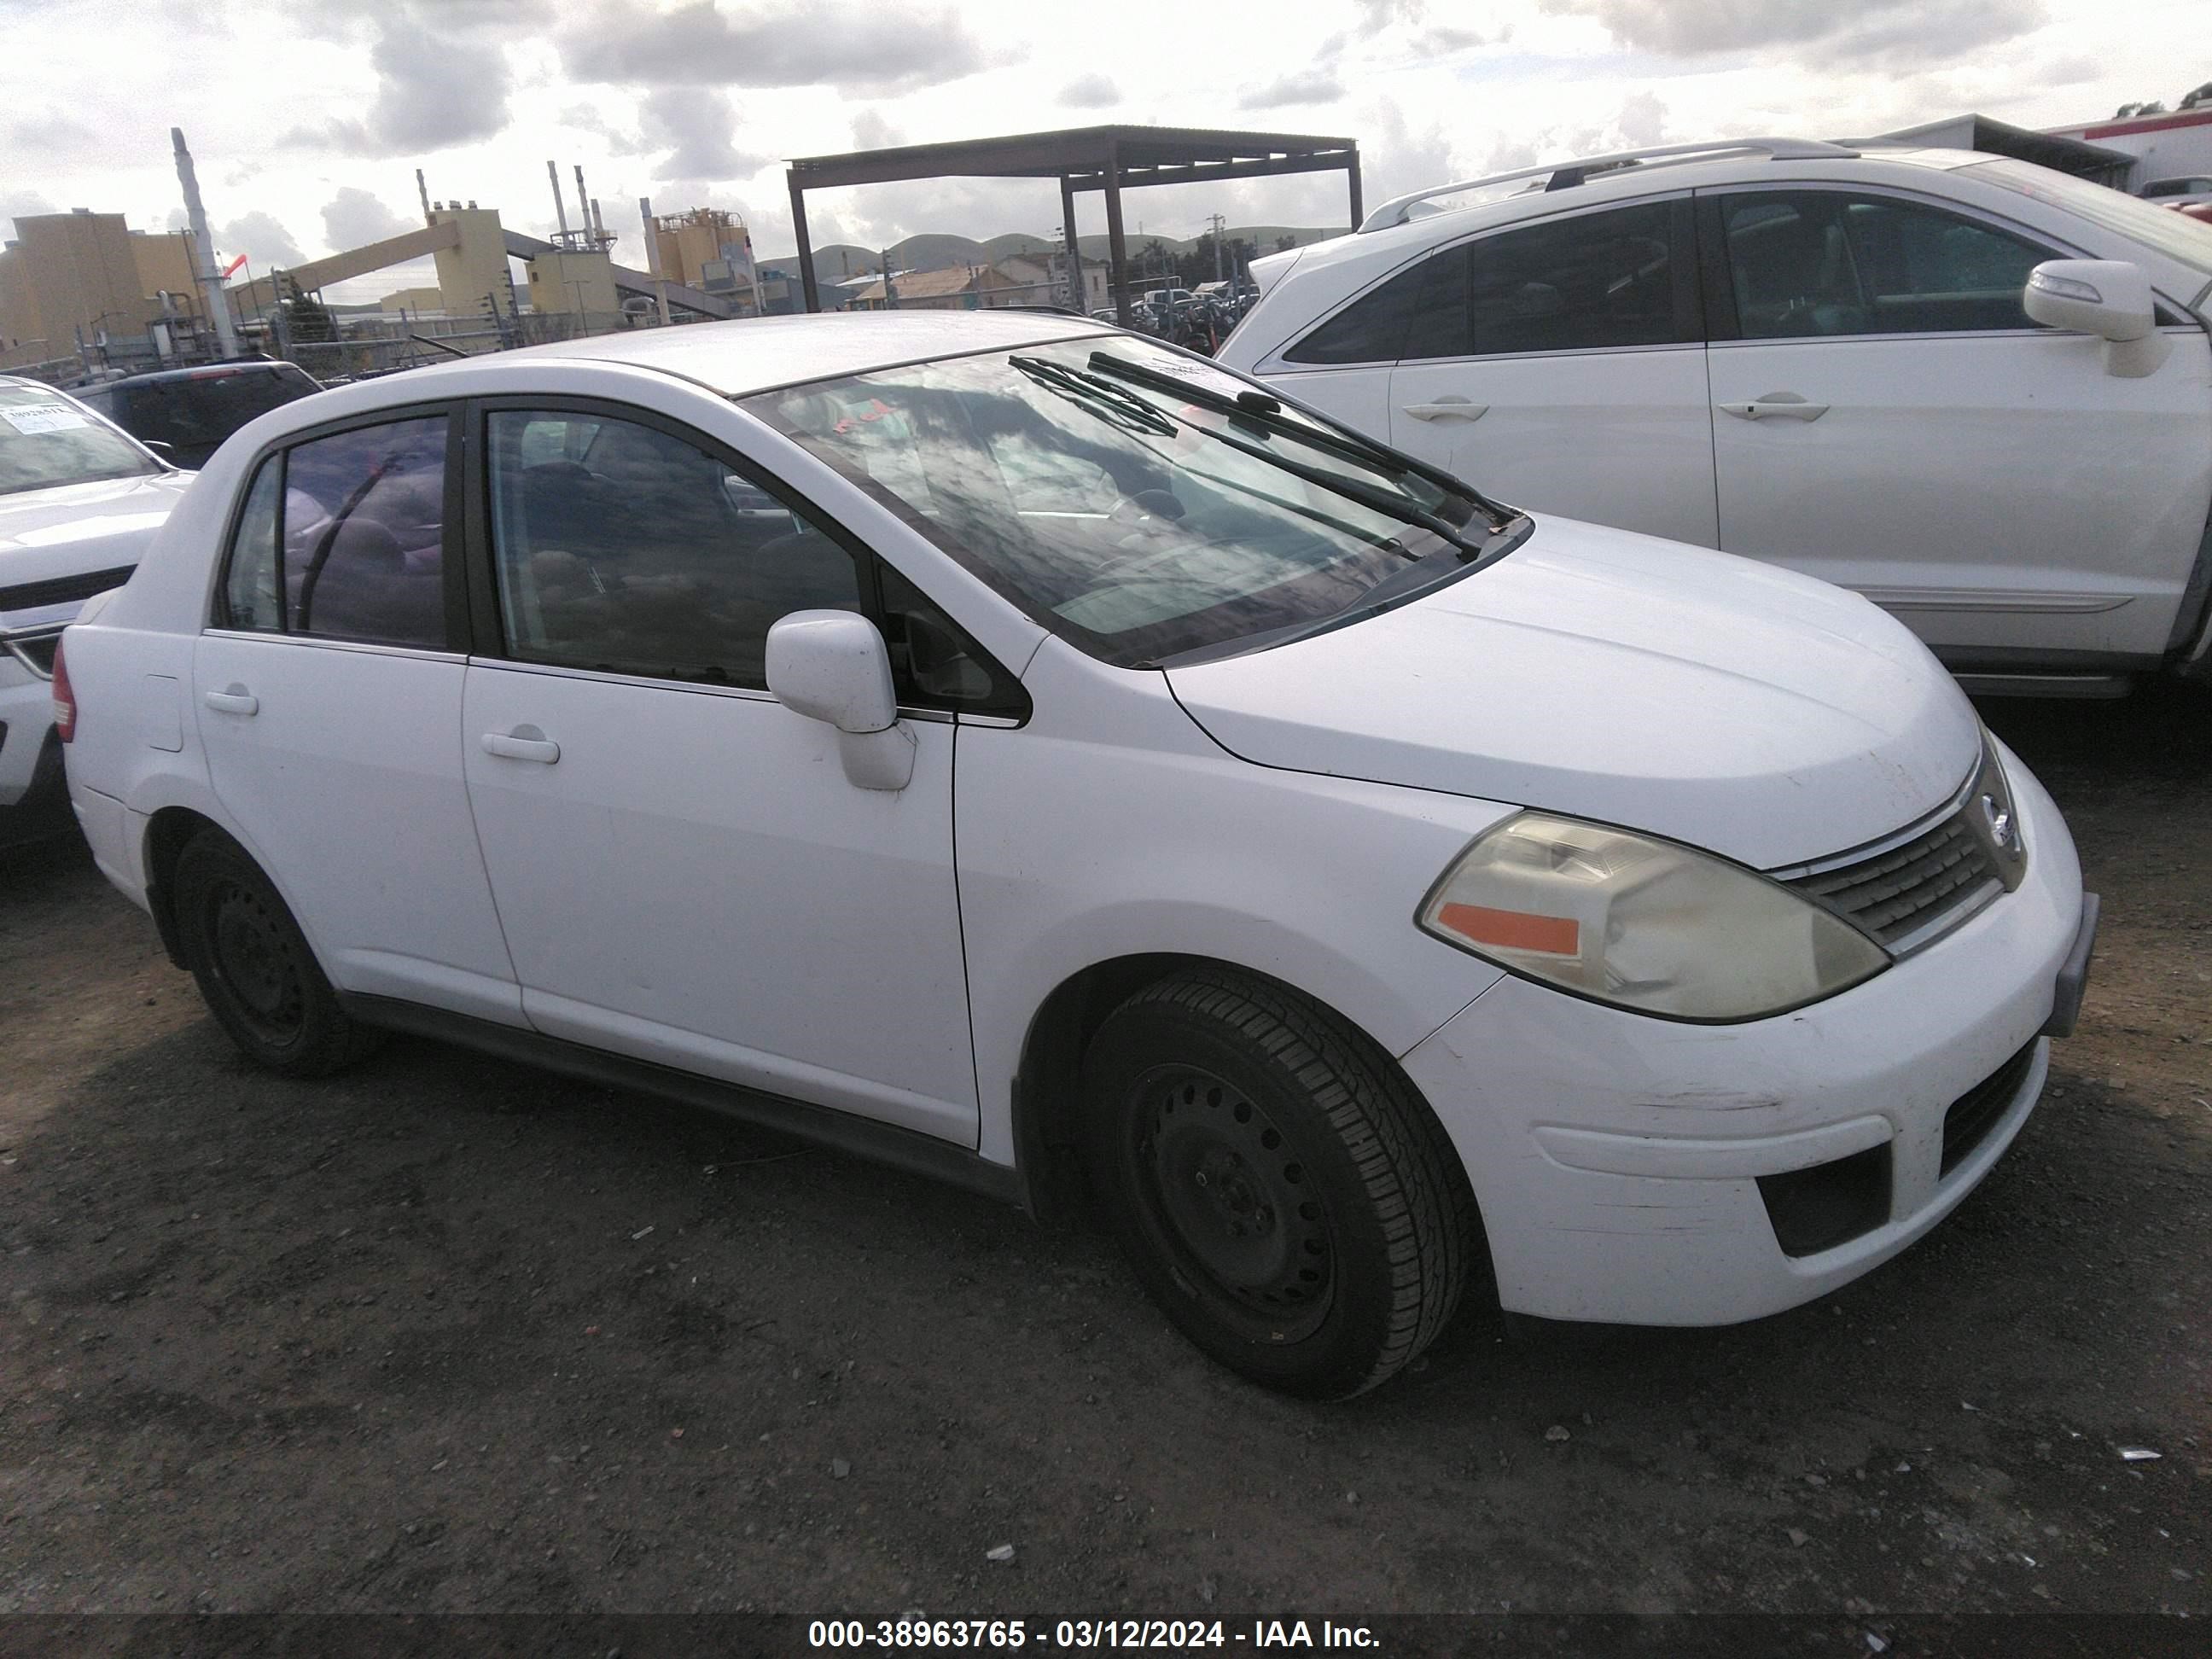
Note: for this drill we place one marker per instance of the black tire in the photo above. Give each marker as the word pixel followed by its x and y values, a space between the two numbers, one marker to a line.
pixel 1280 1191
pixel 254 968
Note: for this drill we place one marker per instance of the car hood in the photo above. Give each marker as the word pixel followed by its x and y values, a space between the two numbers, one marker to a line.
pixel 1748 710
pixel 73 530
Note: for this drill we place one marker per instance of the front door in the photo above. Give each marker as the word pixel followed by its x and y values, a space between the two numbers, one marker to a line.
pixel 328 698
pixel 683 872
pixel 1887 418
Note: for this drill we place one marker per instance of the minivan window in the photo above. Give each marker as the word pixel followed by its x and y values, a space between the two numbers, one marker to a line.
pixel 1823 262
pixel 2187 241
pixel 46 441
pixel 342 538
pixel 1134 523
pixel 1371 329
pixel 623 547
pixel 1580 283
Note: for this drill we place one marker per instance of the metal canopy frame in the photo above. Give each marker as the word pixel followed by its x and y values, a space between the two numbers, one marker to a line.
pixel 1107 159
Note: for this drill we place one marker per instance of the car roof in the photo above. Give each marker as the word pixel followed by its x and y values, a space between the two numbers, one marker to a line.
pixel 196 372
pixel 754 354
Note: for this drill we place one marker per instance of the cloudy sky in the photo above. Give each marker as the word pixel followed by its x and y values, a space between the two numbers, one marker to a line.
pixel 309 118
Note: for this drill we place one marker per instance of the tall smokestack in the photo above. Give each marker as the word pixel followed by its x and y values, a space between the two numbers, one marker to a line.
pixel 211 295
pixel 560 208
pixel 653 253
pixel 583 202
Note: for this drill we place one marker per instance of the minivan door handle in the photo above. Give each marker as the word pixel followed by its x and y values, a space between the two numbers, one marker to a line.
pixel 1775 406
pixel 234 699
pixel 525 742
pixel 1447 408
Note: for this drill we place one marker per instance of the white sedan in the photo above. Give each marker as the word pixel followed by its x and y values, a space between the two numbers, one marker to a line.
pixel 1095 771
pixel 79 500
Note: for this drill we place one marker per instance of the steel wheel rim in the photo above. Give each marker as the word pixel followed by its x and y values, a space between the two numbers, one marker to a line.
pixel 1222 1188
pixel 252 958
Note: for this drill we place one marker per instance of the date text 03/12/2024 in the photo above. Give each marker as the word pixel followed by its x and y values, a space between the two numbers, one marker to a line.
pixel 1007 1634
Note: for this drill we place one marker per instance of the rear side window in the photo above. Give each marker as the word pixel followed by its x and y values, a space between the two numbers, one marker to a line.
pixel 344 537
pixel 1815 263
pixel 1370 330
pixel 1582 283
pixel 622 548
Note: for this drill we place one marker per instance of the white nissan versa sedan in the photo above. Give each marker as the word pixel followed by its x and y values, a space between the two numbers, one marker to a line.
pixel 1096 768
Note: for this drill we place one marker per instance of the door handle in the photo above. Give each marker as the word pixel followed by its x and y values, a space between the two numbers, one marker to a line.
pixel 1448 409
pixel 525 742
pixel 234 699
pixel 1775 406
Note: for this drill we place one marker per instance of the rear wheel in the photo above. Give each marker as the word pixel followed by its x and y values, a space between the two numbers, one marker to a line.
pixel 254 968
pixel 1279 1191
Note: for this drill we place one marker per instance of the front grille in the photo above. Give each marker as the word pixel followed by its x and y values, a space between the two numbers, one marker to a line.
pixel 1975 1113
pixel 60 590
pixel 1899 893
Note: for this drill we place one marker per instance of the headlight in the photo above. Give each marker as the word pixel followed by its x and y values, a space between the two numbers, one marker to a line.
pixel 1643 924
pixel 1993 819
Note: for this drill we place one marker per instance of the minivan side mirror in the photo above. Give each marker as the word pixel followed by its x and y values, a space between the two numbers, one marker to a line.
pixel 2109 298
pixel 832 666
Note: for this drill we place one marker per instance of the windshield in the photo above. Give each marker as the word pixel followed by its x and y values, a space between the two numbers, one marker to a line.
pixel 2176 235
pixel 198 411
pixel 46 441
pixel 1140 520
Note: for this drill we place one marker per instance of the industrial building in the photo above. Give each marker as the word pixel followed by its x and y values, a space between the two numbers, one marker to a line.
pixel 79 283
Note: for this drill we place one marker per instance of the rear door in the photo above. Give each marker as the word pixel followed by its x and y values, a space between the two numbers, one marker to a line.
pixel 1887 417
pixel 1559 365
pixel 328 698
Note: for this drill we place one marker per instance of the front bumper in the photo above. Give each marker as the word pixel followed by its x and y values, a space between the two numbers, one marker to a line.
pixel 1619 1160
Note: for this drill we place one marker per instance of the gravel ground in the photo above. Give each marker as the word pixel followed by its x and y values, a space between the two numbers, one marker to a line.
pixel 448 1335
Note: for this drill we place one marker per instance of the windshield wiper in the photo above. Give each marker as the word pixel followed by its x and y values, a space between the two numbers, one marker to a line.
pixel 1505 534
pixel 1265 409
pixel 1073 382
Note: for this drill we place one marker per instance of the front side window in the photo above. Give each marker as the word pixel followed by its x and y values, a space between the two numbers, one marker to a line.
pixel 1124 498
pixel 622 548
pixel 342 538
pixel 1830 263
pixel 46 441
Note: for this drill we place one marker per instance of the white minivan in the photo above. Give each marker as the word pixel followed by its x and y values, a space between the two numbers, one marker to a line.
pixel 1093 771
pixel 1974 390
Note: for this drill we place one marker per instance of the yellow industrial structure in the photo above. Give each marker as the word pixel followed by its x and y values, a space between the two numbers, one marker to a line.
pixel 70 279
pixel 709 249
pixel 567 280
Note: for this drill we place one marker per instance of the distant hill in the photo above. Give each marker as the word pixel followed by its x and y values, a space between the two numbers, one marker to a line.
pixel 940 251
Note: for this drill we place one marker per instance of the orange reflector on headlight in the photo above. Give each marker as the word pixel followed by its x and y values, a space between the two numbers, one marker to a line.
pixel 1513 930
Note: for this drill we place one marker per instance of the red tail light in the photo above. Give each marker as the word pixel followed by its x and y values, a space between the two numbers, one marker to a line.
pixel 65 699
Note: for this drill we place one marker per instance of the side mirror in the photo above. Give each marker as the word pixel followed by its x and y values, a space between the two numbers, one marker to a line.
pixel 832 666
pixel 2109 298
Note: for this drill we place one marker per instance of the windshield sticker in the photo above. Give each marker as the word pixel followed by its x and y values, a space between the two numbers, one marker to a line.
pixel 43 417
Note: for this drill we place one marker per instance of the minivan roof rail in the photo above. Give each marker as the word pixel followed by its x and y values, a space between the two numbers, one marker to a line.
pixel 1564 175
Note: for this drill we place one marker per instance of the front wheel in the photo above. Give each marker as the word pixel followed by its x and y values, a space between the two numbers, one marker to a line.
pixel 1278 1189
pixel 258 977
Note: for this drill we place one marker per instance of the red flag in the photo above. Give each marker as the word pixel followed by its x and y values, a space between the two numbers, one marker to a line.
pixel 233 265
